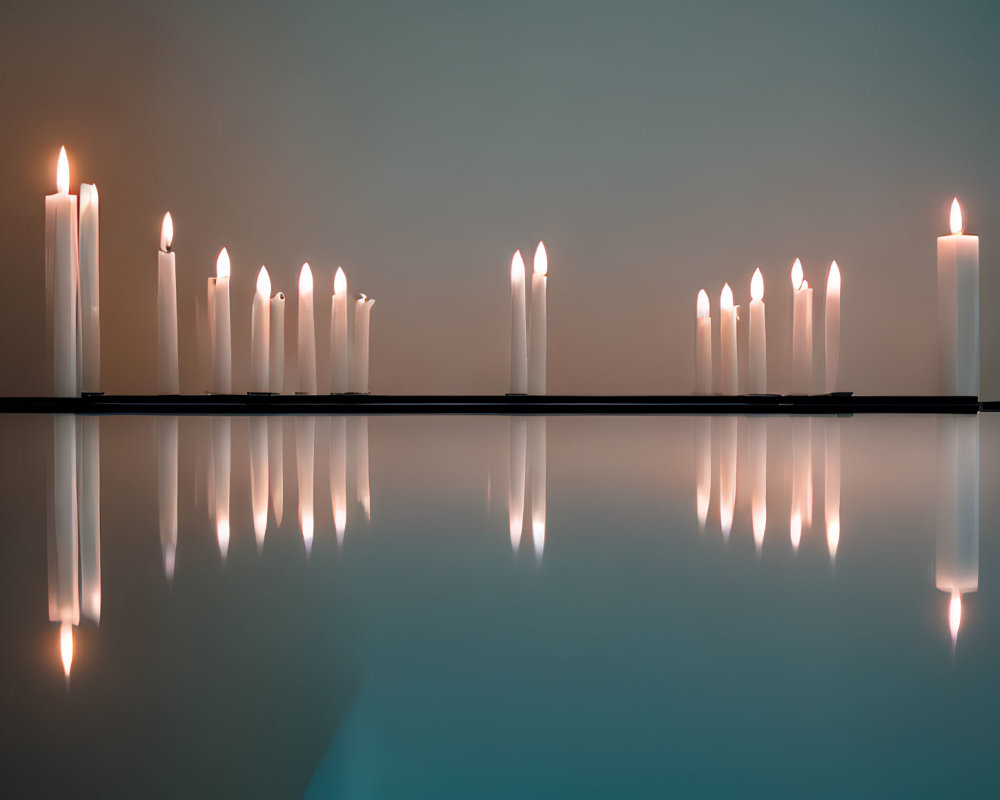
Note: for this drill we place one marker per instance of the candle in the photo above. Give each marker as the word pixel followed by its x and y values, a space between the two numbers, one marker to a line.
pixel 728 434
pixel 166 310
pixel 831 491
pixel 338 475
pixel 305 454
pixel 958 309
pixel 758 465
pixel 729 376
pixel 363 476
pixel 362 341
pixel 339 352
pixel 307 333
pixel 222 359
pixel 518 472
pixel 758 336
pixel 258 478
pixel 538 336
pixel 90 283
pixel 276 467
pixel 801 332
pixel 537 470
pixel 260 338
pixel 276 368
pixel 222 452
pixel 62 267
pixel 89 477
pixel 702 468
pixel 518 327
pixel 703 345
pixel 831 337
pixel 166 432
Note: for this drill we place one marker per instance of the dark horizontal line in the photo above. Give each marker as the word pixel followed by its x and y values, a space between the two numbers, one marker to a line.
pixel 841 403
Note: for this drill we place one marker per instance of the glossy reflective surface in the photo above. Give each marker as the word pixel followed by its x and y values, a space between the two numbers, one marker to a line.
pixel 499 607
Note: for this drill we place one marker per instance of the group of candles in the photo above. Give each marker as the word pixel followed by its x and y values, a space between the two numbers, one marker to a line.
pixel 529 334
pixel 72 273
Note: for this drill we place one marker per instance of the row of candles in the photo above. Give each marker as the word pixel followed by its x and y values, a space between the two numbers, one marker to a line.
pixel 72 271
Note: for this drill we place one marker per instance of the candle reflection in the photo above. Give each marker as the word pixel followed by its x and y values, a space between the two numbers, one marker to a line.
pixel 702 468
pixel 222 447
pixel 518 436
pixel 537 474
pixel 361 465
pixel 831 491
pixel 90 517
pixel 276 466
pixel 305 446
pixel 338 475
pixel 167 446
pixel 802 478
pixel 63 545
pixel 957 564
pixel 758 471
pixel 727 473
pixel 258 478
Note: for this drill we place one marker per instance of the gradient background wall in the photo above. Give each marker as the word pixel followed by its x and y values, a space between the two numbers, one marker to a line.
pixel 656 147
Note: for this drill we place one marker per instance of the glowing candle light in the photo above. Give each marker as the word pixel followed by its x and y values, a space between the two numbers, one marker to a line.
pixel 802 352
pixel 89 478
pixel 166 310
pixel 258 477
pixel 518 327
pixel 703 345
pixel 831 337
pixel 537 472
pixel 90 283
pixel 276 367
pixel 831 492
pixel 307 333
pixel 305 460
pixel 276 466
pixel 66 647
pixel 518 473
pixel 802 476
pixel 340 353
pixel 729 374
pixel 64 543
pixel 703 469
pixel 222 360
pixel 62 270
pixel 167 438
pixel 538 335
pixel 728 434
pixel 758 336
pixel 758 465
pixel 958 308
pixel 222 454
pixel 362 341
pixel 338 475
pixel 260 336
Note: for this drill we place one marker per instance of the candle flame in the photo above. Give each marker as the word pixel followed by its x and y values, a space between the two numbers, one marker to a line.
pixel 62 172
pixel 166 232
pixel 797 275
pixel 757 285
pixel 305 279
pixel 222 265
pixel 955 615
pixel 704 310
pixel 956 224
pixel 833 280
pixel 264 282
pixel 66 647
pixel 339 281
pixel 517 268
pixel 541 260
pixel 726 298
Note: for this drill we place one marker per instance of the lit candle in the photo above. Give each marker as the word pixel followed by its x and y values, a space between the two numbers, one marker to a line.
pixel 222 360
pixel 362 341
pixel 703 345
pixel 729 375
pixel 166 310
pixel 728 435
pixel 222 454
pixel 276 368
pixel 831 337
pixel 167 437
pixel 702 468
pixel 338 475
pixel 260 339
pixel 537 470
pixel 258 477
pixel 538 336
pixel 831 491
pixel 758 336
pixel 518 328
pixel 801 332
pixel 62 266
pixel 518 472
pixel 307 333
pixel 90 284
pixel 958 309
pixel 758 465
pixel 305 459
pixel 276 466
pixel 339 348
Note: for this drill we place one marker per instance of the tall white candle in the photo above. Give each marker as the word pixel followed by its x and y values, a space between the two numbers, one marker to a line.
pixel 801 332
pixel 758 336
pixel 260 334
pixel 62 266
pixel 338 475
pixel 518 475
pixel 276 368
pixel 222 360
pixel 831 321
pixel 90 284
pixel 729 374
pixel 210 360
pixel 703 345
pixel 305 461
pixel 167 439
pixel 518 327
pixel 166 310
pixel 538 334
pixel 958 309
pixel 758 464
pixel 307 332
pixel 362 342
pixel 339 348
pixel 258 478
